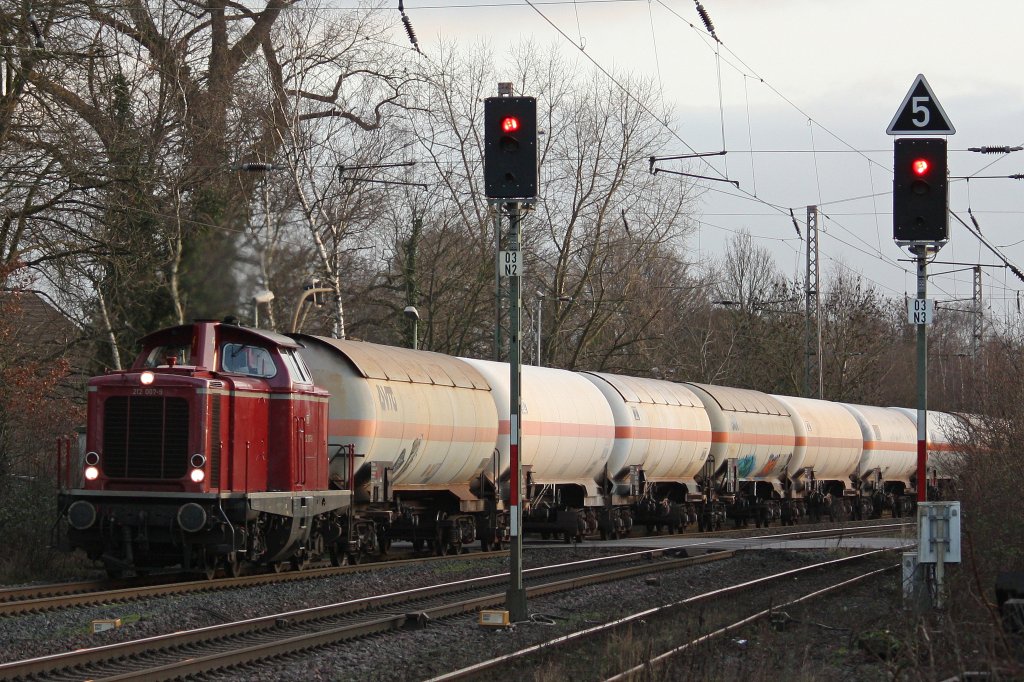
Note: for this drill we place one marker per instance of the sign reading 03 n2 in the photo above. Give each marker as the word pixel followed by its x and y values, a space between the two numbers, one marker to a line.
pixel 510 148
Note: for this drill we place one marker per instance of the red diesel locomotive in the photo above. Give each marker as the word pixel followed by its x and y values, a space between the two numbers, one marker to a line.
pixel 209 452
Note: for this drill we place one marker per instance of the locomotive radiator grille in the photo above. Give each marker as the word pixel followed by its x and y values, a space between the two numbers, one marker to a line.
pixel 145 437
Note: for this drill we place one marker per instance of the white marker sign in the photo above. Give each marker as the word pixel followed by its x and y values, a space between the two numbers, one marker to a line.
pixel 920 310
pixel 510 263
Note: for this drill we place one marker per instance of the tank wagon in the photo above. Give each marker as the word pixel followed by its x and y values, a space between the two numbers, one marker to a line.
pixel 224 446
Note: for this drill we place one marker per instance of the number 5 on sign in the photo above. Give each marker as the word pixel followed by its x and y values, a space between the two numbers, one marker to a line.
pixel 510 264
pixel 920 310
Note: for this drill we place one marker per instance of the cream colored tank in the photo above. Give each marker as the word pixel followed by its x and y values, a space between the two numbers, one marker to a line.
pixel 890 442
pixel 660 426
pixel 943 430
pixel 567 429
pixel 752 427
pixel 430 417
pixel 828 439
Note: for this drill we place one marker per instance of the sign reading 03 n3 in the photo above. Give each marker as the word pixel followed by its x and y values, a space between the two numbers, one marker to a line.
pixel 920 113
pixel 920 310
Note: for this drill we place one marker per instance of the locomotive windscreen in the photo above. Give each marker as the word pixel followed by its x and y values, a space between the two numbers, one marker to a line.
pixel 145 437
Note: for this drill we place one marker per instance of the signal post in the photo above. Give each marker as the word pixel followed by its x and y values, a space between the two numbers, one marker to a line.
pixel 510 183
pixel 920 211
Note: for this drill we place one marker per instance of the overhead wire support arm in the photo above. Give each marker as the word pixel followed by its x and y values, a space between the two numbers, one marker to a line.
pixel 677 157
pixel 385 182
pixel 693 175
pixel 654 171
pixel 342 168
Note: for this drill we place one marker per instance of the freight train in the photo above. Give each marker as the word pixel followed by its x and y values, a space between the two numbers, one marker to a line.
pixel 225 447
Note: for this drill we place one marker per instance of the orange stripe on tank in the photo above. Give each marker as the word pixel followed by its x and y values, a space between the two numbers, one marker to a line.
pixel 559 429
pixel 752 438
pixel 661 433
pixel 890 445
pixel 370 428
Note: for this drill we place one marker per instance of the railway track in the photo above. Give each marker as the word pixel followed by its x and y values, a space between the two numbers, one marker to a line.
pixel 669 632
pixel 41 598
pixel 36 599
pixel 218 647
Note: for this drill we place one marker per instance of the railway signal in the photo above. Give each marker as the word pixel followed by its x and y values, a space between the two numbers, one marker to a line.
pixel 920 190
pixel 510 147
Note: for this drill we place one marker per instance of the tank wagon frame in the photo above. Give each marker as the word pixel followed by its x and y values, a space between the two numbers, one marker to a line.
pixel 224 446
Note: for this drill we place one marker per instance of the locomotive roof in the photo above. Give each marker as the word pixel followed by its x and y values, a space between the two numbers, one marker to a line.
pixel 184 332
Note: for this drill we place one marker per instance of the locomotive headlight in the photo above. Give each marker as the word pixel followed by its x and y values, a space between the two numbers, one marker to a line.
pixel 146 378
pixel 92 465
pixel 198 461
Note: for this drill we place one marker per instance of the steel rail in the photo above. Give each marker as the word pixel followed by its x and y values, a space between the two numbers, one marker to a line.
pixel 266 624
pixel 661 658
pixel 59 599
pixel 604 628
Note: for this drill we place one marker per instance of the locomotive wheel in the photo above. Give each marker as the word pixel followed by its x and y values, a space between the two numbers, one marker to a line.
pixel 210 568
pixel 417 545
pixel 234 567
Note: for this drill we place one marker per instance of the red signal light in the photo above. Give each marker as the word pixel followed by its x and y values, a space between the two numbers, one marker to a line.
pixel 920 166
pixel 509 124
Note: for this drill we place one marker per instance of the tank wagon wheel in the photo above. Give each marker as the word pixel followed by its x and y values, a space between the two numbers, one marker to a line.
pixel 339 558
pixel 210 564
pixel 234 565
pixel 448 549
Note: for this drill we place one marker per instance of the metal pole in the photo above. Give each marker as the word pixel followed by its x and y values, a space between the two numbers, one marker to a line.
pixel 922 380
pixel 497 286
pixel 540 310
pixel 515 598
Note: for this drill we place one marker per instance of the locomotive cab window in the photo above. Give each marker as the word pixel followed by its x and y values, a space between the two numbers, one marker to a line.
pixel 253 361
pixel 176 354
pixel 296 368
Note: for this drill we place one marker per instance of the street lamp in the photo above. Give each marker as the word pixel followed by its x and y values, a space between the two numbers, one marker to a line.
pixel 540 310
pixel 414 315
pixel 265 296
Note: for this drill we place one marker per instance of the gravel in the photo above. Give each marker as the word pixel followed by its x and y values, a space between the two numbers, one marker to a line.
pixel 417 654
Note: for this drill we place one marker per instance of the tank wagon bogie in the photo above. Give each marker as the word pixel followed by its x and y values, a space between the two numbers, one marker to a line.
pixel 225 446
